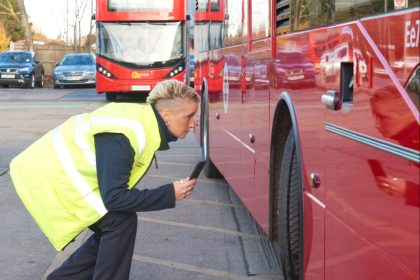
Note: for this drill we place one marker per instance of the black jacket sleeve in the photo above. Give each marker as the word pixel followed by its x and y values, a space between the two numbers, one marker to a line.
pixel 114 160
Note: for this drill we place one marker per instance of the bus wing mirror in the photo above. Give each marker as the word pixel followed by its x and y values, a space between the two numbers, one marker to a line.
pixel 93 17
pixel 188 17
pixel 226 16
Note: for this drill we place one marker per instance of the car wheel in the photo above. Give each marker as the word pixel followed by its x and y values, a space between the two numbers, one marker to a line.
pixel 31 83
pixel 5 86
pixel 111 96
pixel 56 86
pixel 41 82
pixel 289 213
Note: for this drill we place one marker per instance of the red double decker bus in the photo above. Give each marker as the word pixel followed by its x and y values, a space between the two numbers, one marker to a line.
pixel 139 43
pixel 310 111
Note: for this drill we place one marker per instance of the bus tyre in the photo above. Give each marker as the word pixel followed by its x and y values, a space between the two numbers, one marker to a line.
pixel 210 170
pixel 289 215
pixel 111 96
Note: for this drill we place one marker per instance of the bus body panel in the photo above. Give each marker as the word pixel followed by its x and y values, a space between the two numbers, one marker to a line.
pixel 355 227
pixel 372 231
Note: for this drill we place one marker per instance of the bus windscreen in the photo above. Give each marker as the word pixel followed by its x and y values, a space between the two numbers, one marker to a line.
pixel 141 43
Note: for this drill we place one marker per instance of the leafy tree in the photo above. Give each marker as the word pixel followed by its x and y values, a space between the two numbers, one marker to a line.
pixel 9 19
pixel 13 17
pixel 4 40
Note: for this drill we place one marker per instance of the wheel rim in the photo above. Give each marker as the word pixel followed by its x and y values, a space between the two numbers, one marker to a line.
pixel 42 81
pixel 205 127
pixel 33 81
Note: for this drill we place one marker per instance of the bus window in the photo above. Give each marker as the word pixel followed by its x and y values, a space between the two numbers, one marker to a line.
pixel 201 31
pixel 310 13
pixel 216 35
pixel 234 23
pixel 201 6
pixel 154 43
pixel 260 14
pixel 215 5
pixel 345 10
pixel 245 22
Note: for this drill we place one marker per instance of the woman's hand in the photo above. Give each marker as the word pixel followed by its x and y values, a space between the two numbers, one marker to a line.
pixel 184 188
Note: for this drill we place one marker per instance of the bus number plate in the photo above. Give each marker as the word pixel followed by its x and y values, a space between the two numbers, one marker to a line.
pixel 140 87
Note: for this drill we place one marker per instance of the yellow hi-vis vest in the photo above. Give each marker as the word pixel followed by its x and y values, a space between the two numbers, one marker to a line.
pixel 56 176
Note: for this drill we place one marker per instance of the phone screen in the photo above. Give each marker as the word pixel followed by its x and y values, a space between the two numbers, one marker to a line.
pixel 376 168
pixel 197 169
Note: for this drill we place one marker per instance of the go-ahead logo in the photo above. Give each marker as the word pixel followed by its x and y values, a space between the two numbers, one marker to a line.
pixel 138 75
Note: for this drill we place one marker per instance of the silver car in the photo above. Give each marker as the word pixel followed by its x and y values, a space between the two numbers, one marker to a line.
pixel 75 69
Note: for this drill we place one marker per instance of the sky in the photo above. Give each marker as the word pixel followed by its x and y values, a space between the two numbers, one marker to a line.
pixel 49 16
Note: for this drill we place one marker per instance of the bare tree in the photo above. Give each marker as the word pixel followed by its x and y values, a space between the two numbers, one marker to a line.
pixel 25 23
pixel 79 10
pixel 89 37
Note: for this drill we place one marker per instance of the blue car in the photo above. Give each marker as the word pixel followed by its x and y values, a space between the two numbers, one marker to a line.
pixel 75 69
pixel 21 68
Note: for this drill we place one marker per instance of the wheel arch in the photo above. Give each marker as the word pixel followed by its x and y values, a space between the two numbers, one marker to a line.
pixel 284 120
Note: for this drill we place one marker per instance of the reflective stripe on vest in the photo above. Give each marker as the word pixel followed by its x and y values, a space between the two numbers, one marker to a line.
pixel 79 182
pixel 68 165
pixel 82 127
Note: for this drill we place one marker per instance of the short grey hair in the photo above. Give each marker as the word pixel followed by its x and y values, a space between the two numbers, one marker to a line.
pixel 172 90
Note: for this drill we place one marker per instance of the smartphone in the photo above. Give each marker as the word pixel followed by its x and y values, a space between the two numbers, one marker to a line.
pixel 197 169
pixel 376 168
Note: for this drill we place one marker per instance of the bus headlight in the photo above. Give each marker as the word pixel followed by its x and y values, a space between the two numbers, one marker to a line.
pixel 176 70
pixel 102 70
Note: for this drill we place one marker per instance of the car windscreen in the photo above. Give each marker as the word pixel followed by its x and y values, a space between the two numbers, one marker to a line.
pixel 15 57
pixel 77 60
pixel 291 57
pixel 141 43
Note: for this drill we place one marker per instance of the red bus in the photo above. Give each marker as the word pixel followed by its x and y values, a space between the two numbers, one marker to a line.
pixel 314 123
pixel 139 43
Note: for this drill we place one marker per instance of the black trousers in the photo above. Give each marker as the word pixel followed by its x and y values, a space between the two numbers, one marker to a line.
pixel 107 254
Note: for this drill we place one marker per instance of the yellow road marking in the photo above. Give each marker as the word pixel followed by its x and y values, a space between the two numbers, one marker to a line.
pixel 187 267
pixel 210 202
pixel 205 228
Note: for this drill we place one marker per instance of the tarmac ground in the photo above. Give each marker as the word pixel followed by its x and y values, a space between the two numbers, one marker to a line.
pixel 210 235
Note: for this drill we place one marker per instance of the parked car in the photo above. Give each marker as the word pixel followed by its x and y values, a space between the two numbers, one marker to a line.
pixel 75 69
pixel 291 69
pixel 21 68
